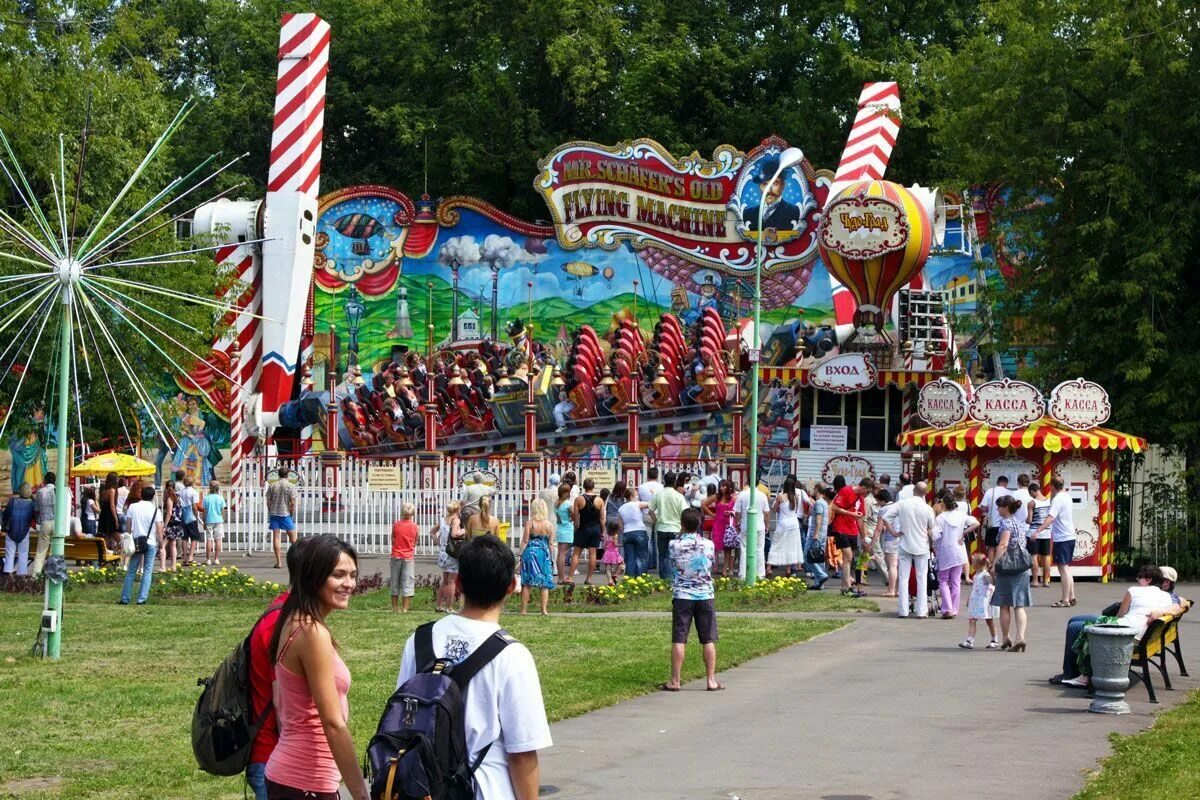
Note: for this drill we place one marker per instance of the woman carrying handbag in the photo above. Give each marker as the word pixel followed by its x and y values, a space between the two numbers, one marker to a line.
pixel 1011 571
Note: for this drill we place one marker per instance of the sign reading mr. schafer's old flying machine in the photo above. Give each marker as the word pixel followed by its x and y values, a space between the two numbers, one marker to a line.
pixel 691 211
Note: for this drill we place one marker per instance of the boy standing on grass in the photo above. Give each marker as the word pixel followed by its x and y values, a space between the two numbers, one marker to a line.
pixel 504 716
pixel 692 599
pixel 404 547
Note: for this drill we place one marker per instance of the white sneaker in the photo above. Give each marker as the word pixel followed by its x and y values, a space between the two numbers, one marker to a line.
pixel 559 429
pixel 993 645
pixel 1079 683
pixel 967 644
pixel 207 563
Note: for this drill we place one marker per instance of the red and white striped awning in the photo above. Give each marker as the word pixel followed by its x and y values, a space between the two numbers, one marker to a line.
pixel 1045 434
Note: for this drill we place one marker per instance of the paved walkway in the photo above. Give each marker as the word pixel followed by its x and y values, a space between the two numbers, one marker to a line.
pixel 883 709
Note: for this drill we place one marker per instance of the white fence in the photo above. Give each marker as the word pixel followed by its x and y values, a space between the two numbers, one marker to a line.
pixel 351 510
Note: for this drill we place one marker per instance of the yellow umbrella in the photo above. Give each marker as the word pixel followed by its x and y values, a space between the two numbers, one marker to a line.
pixel 120 463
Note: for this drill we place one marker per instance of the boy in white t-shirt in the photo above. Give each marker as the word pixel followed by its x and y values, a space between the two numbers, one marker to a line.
pixel 504 707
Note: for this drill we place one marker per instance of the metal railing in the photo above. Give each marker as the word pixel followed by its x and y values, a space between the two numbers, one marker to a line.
pixel 363 516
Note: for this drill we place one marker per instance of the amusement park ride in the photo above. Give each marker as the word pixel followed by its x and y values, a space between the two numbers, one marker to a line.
pixel 873 235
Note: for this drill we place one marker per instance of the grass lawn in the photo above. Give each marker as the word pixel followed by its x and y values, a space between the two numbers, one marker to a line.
pixel 1156 764
pixel 112 718
pixel 726 601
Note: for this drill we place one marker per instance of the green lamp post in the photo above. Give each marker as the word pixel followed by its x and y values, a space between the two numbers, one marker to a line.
pixel 787 159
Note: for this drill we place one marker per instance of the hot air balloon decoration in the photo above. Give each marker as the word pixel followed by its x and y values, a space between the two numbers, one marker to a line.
pixel 874 237
pixel 360 228
pixel 579 272
pixel 608 274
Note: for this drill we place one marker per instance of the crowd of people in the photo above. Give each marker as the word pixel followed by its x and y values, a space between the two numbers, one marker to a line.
pixel 183 526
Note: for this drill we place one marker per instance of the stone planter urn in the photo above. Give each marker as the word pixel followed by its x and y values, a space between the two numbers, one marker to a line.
pixel 1111 650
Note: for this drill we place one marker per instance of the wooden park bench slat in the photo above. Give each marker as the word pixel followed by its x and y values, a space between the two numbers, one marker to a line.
pixel 75 548
pixel 1153 648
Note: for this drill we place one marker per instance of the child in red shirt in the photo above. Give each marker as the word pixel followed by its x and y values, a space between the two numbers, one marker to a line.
pixel 404 546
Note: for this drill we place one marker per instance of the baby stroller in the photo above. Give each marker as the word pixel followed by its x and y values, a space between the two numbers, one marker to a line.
pixel 931 585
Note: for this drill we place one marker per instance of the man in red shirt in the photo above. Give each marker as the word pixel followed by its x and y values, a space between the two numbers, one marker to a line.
pixel 403 565
pixel 262 679
pixel 262 676
pixel 848 511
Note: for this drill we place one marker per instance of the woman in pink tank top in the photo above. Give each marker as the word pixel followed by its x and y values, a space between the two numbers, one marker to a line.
pixel 315 751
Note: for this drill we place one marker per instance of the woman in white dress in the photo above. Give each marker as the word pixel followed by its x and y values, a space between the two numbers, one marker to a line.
pixel 787 545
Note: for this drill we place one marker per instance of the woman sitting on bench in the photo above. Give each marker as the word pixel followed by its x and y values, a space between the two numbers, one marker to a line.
pixel 1141 604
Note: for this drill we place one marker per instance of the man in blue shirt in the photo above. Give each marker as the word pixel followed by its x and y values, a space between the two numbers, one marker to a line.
pixel 692 598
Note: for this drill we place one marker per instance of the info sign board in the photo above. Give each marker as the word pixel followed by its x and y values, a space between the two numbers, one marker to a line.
pixel 830 438
pixel 845 373
pixel 601 477
pixel 1080 404
pixel 381 478
pixel 1007 404
pixel 942 403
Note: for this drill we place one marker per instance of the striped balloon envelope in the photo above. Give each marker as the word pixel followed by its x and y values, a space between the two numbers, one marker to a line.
pixel 874 237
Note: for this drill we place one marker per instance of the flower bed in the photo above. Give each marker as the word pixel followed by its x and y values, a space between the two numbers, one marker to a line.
pixel 625 589
pixel 184 582
pixel 763 593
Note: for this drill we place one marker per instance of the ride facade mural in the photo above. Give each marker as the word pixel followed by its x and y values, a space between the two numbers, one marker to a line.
pixel 634 233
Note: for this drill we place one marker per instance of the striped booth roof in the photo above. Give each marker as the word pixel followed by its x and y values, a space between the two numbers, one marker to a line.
pixel 897 377
pixel 1045 434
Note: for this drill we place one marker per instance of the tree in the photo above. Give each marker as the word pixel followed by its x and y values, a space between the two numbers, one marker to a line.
pixel 488 87
pixel 1089 104
pixel 94 65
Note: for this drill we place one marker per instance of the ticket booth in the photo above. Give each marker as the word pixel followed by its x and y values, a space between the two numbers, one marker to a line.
pixel 975 454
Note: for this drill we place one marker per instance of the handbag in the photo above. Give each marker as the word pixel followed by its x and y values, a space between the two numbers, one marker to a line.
pixel 455 546
pixel 733 537
pixel 1014 560
pixel 127 545
pixel 815 554
pixel 141 544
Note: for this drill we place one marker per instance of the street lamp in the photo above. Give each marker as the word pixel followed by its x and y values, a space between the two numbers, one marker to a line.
pixel 787 159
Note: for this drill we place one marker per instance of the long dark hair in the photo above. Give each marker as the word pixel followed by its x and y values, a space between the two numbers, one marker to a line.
pixel 110 482
pixel 946 497
pixel 317 561
pixel 789 490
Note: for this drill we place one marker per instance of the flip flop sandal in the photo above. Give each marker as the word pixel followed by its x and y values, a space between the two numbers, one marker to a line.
pixel 718 688
pixel 1060 604
pixel 666 687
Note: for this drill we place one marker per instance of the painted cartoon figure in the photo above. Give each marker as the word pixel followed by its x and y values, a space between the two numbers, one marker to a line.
pixel 777 213
pixel 196 453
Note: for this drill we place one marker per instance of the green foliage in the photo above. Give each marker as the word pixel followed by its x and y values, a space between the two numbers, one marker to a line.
pixel 101 67
pixel 1085 103
pixel 486 88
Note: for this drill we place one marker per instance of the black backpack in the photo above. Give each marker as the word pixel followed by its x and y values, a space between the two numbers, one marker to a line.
pixel 419 750
pixel 223 724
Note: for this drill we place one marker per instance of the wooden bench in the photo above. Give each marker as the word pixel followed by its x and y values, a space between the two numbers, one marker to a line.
pixel 80 548
pixel 1160 635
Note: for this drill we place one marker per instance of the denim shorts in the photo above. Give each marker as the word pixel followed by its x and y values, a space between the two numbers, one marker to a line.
pixel 1064 552
pixel 282 522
